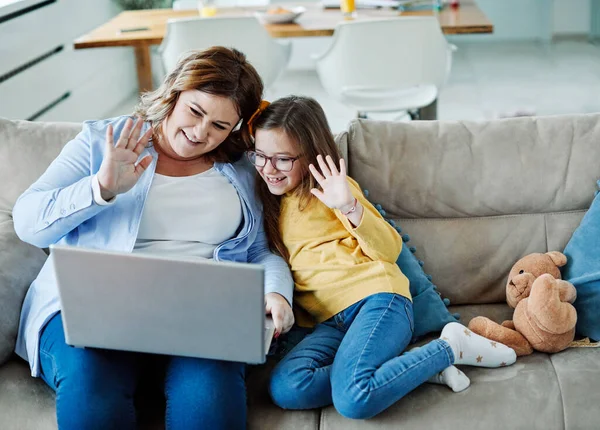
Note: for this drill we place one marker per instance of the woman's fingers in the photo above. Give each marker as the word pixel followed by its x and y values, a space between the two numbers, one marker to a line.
pixel 135 134
pixel 323 166
pixel 125 133
pixel 278 320
pixel 143 165
pixel 110 142
pixel 289 320
pixel 143 141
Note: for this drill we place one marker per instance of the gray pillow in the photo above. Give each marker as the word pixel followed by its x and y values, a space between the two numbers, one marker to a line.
pixel 20 263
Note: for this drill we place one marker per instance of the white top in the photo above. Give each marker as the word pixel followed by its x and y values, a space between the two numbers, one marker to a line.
pixel 187 215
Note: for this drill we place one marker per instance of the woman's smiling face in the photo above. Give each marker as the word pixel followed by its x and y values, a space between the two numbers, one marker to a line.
pixel 199 123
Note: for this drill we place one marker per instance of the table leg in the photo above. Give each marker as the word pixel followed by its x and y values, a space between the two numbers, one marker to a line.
pixel 428 112
pixel 144 67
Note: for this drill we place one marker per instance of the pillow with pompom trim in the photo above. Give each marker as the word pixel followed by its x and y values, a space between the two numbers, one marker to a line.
pixel 430 310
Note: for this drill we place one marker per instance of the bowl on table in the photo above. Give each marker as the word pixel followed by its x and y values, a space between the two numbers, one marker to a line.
pixel 279 15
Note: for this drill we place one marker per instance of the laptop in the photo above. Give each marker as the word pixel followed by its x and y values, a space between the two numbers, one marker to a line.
pixel 162 305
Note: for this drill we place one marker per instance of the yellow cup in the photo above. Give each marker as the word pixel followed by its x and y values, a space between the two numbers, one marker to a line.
pixel 207 8
pixel 348 8
pixel 208 11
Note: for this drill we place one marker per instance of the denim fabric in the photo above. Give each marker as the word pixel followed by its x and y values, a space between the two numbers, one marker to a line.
pixel 354 360
pixel 95 388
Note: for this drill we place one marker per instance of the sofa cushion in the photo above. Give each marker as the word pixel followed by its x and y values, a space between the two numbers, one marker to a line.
pixel 26 403
pixel 26 150
pixel 477 196
pixel 583 271
pixel 526 395
pixel 19 265
pixel 578 373
pixel 458 169
pixel 430 311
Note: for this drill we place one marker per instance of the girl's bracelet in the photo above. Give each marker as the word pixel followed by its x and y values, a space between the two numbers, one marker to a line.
pixel 352 209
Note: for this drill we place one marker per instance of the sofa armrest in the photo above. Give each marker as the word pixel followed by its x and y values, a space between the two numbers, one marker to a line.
pixel 20 263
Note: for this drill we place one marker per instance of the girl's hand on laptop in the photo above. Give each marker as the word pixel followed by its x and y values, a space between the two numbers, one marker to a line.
pixel 120 170
pixel 281 311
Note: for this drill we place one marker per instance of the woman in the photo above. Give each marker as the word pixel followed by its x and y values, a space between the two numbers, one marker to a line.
pixel 126 187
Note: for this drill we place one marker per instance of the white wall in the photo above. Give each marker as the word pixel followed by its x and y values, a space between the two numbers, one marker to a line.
pixel 96 80
pixel 571 17
pixel 532 19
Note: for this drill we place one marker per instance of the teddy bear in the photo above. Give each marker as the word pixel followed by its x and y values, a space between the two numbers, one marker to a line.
pixel 544 318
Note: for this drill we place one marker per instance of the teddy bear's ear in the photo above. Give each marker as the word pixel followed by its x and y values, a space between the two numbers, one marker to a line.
pixel 558 258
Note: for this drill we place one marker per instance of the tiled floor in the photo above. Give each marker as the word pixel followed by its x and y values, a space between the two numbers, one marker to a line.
pixel 487 80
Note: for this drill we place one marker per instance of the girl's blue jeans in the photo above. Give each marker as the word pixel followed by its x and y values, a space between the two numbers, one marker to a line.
pixel 95 388
pixel 355 360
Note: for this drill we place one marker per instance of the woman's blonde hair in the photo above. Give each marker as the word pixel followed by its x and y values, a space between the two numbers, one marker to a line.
pixel 218 71
pixel 303 121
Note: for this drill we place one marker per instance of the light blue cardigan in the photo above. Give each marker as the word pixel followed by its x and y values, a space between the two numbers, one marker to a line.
pixel 59 208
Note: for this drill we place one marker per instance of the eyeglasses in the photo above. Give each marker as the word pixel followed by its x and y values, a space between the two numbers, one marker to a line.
pixel 283 164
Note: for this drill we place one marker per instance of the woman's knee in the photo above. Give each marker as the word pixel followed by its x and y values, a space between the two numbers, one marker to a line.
pixel 86 403
pixel 94 388
pixel 189 374
pixel 203 393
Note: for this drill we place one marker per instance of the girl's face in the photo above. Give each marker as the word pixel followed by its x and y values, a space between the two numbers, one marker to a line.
pixel 275 143
pixel 199 123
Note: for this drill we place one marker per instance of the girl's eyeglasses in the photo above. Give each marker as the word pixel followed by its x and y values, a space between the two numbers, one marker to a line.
pixel 281 163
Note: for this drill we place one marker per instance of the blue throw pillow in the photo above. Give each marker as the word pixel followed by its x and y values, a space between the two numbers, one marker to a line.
pixel 430 311
pixel 583 271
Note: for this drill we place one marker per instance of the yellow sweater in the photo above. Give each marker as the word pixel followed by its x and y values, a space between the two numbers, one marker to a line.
pixel 334 264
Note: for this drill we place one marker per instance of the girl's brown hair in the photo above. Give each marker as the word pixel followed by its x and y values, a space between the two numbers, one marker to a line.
pixel 218 71
pixel 303 121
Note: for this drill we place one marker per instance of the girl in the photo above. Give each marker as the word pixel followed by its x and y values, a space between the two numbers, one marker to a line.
pixel 342 254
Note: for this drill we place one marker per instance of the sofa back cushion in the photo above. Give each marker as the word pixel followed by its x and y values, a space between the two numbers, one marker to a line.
pixel 26 150
pixel 476 196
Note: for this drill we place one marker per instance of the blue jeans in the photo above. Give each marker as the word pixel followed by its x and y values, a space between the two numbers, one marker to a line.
pixel 95 388
pixel 354 360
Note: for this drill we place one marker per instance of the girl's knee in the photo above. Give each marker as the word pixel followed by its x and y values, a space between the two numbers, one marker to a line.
pixel 281 390
pixel 351 402
pixel 353 409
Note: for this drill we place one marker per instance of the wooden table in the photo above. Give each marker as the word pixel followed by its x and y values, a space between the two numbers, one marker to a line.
pixel 316 21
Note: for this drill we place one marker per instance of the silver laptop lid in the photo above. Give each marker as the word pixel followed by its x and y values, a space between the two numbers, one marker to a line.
pixel 163 305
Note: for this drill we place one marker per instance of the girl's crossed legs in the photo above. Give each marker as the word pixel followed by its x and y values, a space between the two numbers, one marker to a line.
pixel 355 362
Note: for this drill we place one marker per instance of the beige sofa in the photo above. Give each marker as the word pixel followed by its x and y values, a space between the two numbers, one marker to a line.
pixel 474 197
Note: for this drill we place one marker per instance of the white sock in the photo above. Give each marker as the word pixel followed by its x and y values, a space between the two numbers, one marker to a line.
pixel 473 350
pixel 453 378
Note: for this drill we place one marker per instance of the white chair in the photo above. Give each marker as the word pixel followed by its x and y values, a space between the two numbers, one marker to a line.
pixel 193 4
pixel 185 4
pixel 386 65
pixel 246 34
